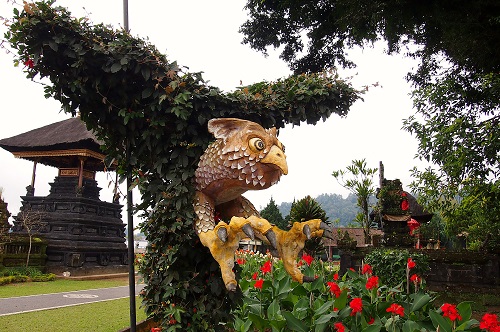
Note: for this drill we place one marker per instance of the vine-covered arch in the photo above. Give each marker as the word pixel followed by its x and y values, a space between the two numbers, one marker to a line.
pixel 127 91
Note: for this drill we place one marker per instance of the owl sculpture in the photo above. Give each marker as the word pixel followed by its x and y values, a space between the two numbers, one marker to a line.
pixel 244 156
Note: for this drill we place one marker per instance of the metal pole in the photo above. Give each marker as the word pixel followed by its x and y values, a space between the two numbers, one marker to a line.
pixel 130 243
pixel 130 216
pixel 125 15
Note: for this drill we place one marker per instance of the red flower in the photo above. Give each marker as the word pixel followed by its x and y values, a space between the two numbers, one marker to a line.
pixel 29 63
pixel 371 321
pixel 334 288
pixel 372 282
pixel 266 268
pixel 411 264
pixel 156 329
pixel 450 311
pixel 367 269
pixel 489 322
pixel 255 275
pixel 396 309
pixel 356 305
pixel 336 276
pixel 339 327
pixel 240 261
pixel 308 259
pixel 405 205
pixel 258 284
pixel 415 278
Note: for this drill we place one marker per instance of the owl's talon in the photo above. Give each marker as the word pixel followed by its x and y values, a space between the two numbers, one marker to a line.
pixel 327 230
pixel 248 230
pixel 308 279
pixel 307 231
pixel 222 234
pixel 271 237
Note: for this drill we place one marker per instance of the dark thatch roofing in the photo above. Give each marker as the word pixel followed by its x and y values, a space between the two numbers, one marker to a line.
pixel 66 134
pixel 59 145
pixel 417 211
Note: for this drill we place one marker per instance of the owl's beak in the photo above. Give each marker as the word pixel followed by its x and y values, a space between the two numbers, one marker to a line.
pixel 277 157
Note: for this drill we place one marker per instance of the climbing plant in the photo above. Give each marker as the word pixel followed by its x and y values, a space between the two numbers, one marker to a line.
pixel 132 96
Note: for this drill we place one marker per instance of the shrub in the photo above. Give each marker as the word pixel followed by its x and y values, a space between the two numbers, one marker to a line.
pixel 44 277
pixel 356 301
pixel 6 280
pixel 24 274
pixel 390 265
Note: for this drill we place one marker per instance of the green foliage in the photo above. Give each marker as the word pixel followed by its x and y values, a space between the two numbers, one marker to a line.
pixel 273 215
pixel 456 85
pixel 12 279
pixel 391 265
pixel 391 197
pixel 306 209
pixel 358 179
pixel 281 304
pixel 471 209
pixel 333 26
pixel 152 117
pixel 24 274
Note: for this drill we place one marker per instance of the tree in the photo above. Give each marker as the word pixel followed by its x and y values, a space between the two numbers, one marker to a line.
pixel 306 209
pixel 152 117
pixel 32 223
pixel 273 215
pixel 445 29
pixel 4 219
pixel 456 85
pixel 358 179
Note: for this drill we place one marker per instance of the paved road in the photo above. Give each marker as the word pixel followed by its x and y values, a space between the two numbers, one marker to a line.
pixel 17 305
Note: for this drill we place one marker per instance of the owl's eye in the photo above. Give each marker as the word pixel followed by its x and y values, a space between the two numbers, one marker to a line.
pixel 257 144
pixel 283 148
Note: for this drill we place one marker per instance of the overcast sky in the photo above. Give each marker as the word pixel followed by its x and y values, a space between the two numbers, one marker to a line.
pixel 203 35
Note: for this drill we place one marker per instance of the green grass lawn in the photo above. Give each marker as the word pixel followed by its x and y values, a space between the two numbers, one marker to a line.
pixel 57 286
pixel 111 315
pixel 95 317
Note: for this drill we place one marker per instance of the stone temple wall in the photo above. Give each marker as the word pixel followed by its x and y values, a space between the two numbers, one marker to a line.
pixel 84 234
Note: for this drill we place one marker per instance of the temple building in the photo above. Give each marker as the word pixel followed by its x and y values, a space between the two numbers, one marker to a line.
pixel 84 234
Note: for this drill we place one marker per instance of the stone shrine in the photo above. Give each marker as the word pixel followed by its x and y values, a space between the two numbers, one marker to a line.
pixel 84 234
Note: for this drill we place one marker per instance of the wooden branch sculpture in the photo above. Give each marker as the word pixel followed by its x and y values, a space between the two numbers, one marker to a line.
pixel 244 157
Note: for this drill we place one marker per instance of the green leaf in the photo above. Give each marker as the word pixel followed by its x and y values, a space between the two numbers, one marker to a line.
pixel 421 299
pixel 146 72
pixel 293 323
pixel 242 326
pixel 320 327
pixel 147 92
pixel 372 328
pixel 325 318
pixel 273 309
pixel 278 324
pixel 53 45
pixel 341 301
pixel 116 67
pixel 465 310
pixel 258 321
pixel 410 326
pixel 327 306
pixel 438 320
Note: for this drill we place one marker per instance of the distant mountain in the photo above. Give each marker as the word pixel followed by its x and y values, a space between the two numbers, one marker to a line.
pixel 335 206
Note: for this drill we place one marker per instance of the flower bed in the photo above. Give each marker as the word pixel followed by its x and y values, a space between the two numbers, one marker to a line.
pixel 355 301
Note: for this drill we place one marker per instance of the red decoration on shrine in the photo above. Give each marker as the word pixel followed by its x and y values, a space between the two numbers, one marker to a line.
pixel 413 225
